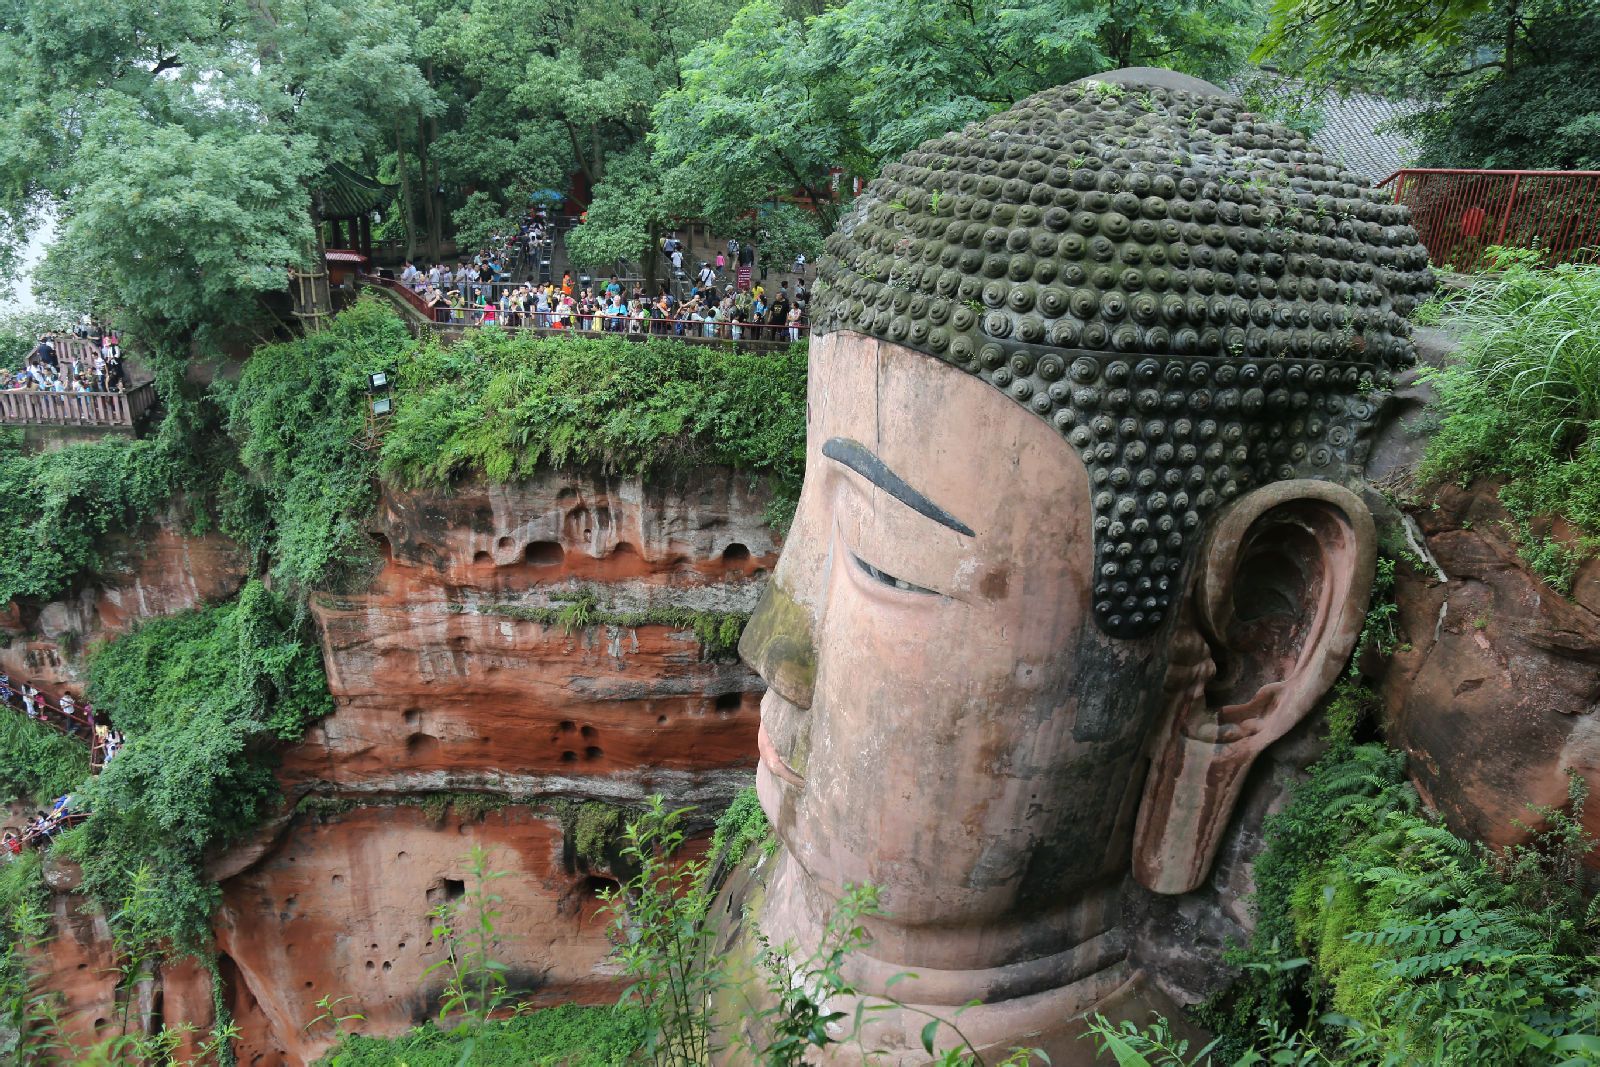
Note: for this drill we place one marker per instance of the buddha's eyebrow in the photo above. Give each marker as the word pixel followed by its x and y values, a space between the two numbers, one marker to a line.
pixel 859 458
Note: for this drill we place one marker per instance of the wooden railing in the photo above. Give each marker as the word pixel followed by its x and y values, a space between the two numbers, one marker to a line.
pixel 1459 213
pixel 33 407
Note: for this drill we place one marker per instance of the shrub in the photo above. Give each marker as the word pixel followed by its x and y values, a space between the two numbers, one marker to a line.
pixel 570 1035
pixel 1521 400
pixel 299 413
pixel 57 507
pixel 37 762
pixel 499 404
pixel 1427 948
pixel 203 697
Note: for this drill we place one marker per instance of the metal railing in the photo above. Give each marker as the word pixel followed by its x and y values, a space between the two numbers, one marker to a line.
pixel 37 407
pixel 1459 213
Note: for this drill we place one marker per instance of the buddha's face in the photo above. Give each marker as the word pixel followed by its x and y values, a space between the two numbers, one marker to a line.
pixel 943 720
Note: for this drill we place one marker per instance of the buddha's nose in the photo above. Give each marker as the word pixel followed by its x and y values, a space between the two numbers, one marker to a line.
pixel 777 644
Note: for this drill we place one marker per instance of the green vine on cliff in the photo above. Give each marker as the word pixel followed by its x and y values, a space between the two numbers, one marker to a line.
pixel 203 697
pixel 717 631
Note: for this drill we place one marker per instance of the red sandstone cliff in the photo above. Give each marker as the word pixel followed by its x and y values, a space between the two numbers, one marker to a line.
pixel 442 683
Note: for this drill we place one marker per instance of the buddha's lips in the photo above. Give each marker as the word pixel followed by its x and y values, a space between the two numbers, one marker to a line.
pixel 775 763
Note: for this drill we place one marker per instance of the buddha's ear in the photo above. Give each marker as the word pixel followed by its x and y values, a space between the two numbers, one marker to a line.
pixel 1274 610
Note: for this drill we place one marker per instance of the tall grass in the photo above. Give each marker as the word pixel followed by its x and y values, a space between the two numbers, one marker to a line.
pixel 1520 399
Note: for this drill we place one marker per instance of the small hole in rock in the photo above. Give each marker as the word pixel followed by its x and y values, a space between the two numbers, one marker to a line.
pixel 735 553
pixel 568 756
pixel 590 731
pixel 593 752
pixel 729 701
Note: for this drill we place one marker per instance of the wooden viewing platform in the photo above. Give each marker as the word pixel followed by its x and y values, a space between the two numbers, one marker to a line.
pixel 112 411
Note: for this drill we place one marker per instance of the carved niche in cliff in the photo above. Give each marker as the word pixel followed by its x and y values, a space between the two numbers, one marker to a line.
pixel 1074 545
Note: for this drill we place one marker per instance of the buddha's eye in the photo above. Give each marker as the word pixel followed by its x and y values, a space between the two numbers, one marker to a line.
pixel 888 579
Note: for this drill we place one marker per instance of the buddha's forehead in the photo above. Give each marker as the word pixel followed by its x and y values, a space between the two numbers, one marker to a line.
pixel 1193 298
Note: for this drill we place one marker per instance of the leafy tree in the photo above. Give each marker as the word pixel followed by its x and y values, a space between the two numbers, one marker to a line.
pixel 556 89
pixel 768 107
pixel 178 143
pixel 1511 83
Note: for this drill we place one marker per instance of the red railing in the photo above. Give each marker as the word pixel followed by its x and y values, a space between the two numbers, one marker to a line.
pixel 1459 213
pixel 34 407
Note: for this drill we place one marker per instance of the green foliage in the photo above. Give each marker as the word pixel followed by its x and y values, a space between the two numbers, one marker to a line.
pixel 20 330
pixel 1426 948
pixel 499 404
pixel 181 186
pixel 299 413
pixel 567 1036
pixel 30 1024
pixel 717 631
pixel 475 979
pixel 38 763
pixel 56 508
pixel 739 828
pixel 662 940
pixel 775 101
pixel 1520 400
pixel 468 807
pixel 594 830
pixel 1509 85
pixel 202 697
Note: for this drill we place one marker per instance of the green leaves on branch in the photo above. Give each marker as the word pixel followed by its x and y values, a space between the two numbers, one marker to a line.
pixel 203 697
pixel 298 414
pixel 57 508
pixel 767 108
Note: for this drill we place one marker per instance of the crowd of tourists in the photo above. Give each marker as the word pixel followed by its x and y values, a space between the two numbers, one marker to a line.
pixel 722 302
pixel 730 313
pixel 42 827
pixel 86 359
pixel 79 722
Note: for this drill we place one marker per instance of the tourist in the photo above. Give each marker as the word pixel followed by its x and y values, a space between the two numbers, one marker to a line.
pixel 30 700
pixel 794 323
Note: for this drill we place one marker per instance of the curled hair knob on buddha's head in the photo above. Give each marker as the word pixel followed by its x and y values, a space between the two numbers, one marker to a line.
pixel 1194 297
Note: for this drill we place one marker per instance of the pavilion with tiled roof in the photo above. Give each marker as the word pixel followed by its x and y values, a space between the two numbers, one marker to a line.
pixel 1358 128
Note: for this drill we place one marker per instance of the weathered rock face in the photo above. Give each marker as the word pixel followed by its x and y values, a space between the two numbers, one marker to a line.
pixel 1495 690
pixel 451 673
pixel 341 908
pixel 161 570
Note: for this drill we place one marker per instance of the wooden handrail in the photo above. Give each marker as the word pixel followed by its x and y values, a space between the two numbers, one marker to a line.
pixel 34 407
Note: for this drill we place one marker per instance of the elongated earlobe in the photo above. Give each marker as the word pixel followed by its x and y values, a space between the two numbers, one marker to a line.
pixel 1274 611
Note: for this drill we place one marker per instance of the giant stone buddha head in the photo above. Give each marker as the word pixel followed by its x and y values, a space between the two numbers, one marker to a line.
pixel 1074 545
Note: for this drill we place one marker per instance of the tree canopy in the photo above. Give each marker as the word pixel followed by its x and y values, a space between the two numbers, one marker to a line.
pixel 1511 83
pixel 177 144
